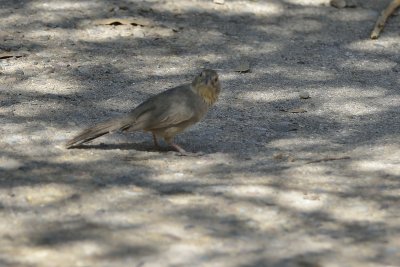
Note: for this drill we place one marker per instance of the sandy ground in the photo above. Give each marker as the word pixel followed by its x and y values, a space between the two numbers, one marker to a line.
pixel 275 188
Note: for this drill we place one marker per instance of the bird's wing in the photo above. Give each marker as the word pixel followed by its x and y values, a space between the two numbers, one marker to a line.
pixel 176 118
pixel 167 115
pixel 168 109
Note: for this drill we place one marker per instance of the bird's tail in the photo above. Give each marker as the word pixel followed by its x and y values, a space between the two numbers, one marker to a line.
pixel 99 130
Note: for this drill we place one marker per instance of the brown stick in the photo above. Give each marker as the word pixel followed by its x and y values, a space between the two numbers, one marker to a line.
pixel 327 159
pixel 380 23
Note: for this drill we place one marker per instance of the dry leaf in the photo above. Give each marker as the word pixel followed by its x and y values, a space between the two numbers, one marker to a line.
pixel 243 67
pixel 291 159
pixel 219 2
pixel 124 21
pixel 278 156
pixel 5 55
pixel 328 159
pixel 297 110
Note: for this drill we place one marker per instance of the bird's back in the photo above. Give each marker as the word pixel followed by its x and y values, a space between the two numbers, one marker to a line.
pixel 171 107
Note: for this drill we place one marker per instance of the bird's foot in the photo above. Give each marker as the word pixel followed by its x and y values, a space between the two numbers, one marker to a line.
pixel 191 154
pixel 183 152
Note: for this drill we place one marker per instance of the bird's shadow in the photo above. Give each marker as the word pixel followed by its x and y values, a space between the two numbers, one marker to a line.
pixel 144 147
pixel 126 146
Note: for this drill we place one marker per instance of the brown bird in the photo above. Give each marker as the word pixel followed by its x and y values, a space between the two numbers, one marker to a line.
pixel 165 114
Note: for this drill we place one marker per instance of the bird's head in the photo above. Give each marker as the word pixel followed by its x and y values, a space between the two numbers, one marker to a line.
pixel 207 85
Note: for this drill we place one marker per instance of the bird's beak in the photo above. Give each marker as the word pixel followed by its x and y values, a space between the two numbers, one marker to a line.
pixel 208 80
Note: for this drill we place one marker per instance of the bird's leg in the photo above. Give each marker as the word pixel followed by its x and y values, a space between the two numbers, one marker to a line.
pixel 179 148
pixel 169 141
pixel 155 141
pixel 182 152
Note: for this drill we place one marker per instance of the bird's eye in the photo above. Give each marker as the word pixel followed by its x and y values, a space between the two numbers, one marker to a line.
pixel 215 79
pixel 201 74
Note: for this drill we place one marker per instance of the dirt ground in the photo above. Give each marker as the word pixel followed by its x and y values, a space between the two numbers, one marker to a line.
pixel 301 163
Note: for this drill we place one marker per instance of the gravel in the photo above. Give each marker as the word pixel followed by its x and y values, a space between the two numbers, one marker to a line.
pixel 318 187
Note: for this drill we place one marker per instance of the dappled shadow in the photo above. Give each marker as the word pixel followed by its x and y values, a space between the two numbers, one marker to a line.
pixel 252 199
pixel 124 146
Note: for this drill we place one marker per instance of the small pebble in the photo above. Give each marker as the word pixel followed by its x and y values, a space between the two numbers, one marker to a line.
pixel 304 95
pixel 285 126
pixel 219 2
pixel 9 163
pixel 297 110
pixel 338 3
pixel 48 70
pixel 278 156
pixel 19 72
pixel 351 3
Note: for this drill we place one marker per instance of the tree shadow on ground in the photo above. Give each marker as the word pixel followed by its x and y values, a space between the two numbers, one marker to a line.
pixel 288 52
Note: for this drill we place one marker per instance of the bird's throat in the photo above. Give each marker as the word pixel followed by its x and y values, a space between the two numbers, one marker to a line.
pixel 208 94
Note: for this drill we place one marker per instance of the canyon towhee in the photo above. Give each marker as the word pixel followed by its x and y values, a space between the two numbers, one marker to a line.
pixel 165 114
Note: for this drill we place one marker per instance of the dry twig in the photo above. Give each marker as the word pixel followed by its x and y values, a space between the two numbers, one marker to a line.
pixel 328 159
pixel 380 23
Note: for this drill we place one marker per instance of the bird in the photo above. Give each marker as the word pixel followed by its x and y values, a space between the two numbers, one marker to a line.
pixel 165 114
